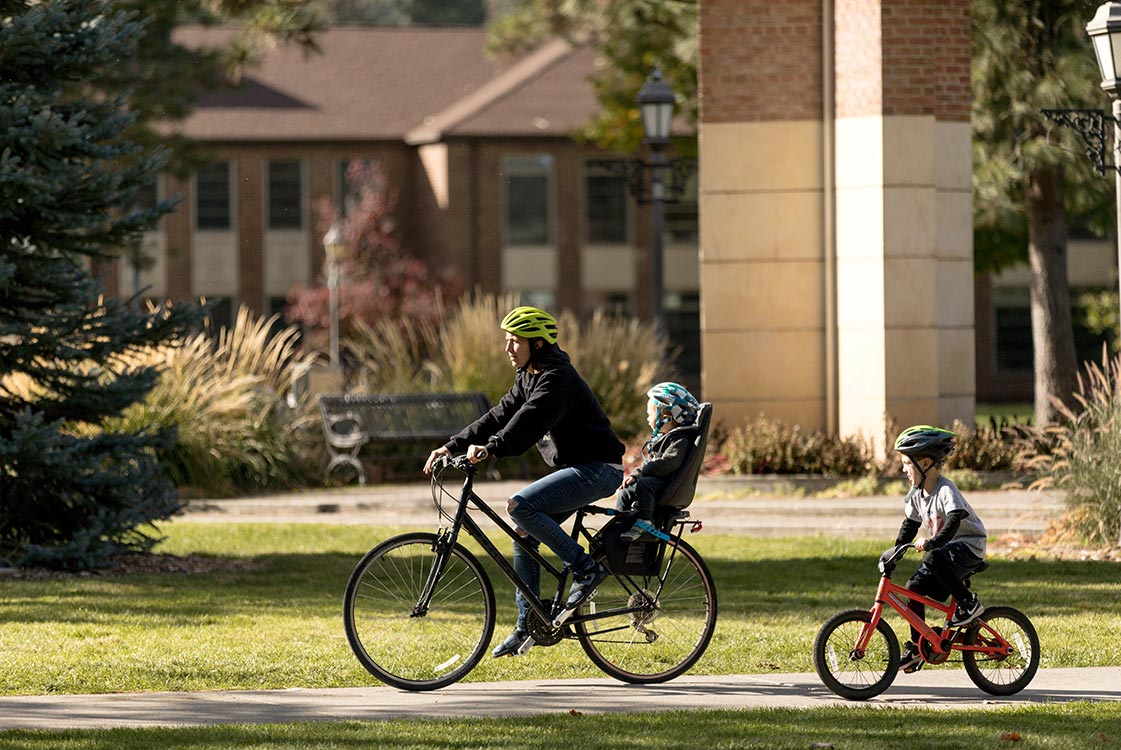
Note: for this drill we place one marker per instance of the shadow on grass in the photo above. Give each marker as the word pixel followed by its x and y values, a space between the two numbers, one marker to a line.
pixel 312 584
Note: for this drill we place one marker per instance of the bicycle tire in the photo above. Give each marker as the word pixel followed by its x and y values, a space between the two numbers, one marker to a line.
pixel 667 639
pixel 855 678
pixel 1004 675
pixel 418 652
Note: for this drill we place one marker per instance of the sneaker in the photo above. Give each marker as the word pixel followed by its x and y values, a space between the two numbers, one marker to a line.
pixel 967 611
pixel 516 644
pixel 910 660
pixel 583 588
pixel 633 534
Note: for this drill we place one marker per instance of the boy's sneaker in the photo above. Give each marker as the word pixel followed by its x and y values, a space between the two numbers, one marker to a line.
pixel 910 660
pixel 967 611
pixel 583 588
pixel 516 644
pixel 634 533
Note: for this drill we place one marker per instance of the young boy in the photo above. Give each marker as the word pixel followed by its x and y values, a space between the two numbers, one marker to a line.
pixel 669 408
pixel 955 547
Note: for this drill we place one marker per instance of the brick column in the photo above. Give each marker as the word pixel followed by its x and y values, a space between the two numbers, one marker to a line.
pixel 877 322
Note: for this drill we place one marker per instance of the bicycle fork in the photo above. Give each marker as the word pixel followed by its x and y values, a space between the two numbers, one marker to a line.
pixel 442 547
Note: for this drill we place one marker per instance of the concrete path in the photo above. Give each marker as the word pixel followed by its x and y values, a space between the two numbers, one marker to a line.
pixel 931 688
pixel 730 506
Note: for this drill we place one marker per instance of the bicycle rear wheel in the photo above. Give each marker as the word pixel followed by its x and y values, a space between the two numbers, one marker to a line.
pixel 848 674
pixel 418 651
pixel 667 634
pixel 1002 674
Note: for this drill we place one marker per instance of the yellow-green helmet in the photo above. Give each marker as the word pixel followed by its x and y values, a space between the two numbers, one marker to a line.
pixel 530 323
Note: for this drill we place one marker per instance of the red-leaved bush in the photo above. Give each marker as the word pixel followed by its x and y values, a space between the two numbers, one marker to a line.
pixel 378 278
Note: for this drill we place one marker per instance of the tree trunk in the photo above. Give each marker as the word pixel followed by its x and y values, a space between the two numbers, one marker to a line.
pixel 1052 332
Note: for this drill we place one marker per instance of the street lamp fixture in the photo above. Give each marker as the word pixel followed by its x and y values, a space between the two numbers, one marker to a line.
pixel 656 102
pixel 334 247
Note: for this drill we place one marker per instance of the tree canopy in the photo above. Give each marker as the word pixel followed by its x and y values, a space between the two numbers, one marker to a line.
pixel 632 38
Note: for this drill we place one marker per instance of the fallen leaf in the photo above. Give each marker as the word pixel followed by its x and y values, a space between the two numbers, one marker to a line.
pixel 1009 736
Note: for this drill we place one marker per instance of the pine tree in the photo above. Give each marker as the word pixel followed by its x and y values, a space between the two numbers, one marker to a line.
pixel 72 495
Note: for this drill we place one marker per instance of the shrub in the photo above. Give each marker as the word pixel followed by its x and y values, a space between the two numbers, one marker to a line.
pixel 620 359
pixel 765 445
pixel 1082 460
pixel 223 399
pixel 995 446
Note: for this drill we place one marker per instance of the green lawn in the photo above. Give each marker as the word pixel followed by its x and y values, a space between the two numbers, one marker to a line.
pixel 276 622
pixel 1079 726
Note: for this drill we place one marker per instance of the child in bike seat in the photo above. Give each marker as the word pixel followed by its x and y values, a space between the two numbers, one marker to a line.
pixel 671 410
pixel 955 547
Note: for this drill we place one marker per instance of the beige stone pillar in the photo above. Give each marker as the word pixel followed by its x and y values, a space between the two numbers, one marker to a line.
pixel 836 233
pixel 762 294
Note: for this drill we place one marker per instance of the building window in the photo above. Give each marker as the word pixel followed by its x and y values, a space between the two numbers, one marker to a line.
pixel 527 199
pixel 212 196
pixel 285 195
pixel 605 215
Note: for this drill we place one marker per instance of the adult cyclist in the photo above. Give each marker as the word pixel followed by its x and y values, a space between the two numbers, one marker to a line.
pixel 552 407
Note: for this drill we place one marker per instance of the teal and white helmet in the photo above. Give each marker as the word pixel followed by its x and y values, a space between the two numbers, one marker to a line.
pixel 674 402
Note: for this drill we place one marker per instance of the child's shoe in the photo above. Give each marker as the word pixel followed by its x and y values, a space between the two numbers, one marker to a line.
pixel 910 660
pixel 633 534
pixel 967 611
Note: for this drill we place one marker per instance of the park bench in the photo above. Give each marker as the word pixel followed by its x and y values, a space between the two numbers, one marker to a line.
pixel 352 421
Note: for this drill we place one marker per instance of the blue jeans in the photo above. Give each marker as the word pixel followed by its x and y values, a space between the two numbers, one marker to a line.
pixel 538 510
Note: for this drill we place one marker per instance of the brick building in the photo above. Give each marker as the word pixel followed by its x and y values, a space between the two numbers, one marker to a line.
pixel 489 180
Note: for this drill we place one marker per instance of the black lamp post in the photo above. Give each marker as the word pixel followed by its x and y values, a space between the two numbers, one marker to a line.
pixel 667 177
pixel 656 102
pixel 1105 32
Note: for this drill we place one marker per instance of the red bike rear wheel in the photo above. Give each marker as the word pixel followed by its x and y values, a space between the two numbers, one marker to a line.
pixel 1002 674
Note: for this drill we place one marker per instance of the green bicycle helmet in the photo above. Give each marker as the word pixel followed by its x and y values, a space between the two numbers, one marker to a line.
pixel 530 323
pixel 924 440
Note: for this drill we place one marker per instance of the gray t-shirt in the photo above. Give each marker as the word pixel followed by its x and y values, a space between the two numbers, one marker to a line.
pixel 930 512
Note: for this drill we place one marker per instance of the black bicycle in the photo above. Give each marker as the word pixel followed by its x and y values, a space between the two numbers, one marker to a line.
pixel 419 608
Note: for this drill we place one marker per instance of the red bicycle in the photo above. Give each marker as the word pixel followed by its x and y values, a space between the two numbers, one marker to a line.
pixel 856 653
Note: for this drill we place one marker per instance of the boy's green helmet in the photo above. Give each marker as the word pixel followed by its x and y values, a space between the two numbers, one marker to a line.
pixel 530 323
pixel 924 440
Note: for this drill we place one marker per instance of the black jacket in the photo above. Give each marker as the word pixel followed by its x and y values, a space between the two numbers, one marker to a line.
pixel 554 409
pixel 667 453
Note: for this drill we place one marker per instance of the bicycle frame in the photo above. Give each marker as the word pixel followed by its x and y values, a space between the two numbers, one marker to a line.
pixel 462 521
pixel 895 596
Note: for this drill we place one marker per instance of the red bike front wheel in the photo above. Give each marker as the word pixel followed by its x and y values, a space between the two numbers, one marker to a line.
pixel 850 674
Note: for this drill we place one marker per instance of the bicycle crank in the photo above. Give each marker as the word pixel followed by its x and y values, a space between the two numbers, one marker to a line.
pixel 543 633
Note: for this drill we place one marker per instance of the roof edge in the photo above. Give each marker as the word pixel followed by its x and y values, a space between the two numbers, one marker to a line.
pixel 433 128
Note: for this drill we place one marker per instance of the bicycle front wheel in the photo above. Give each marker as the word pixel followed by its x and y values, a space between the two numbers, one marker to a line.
pixel 402 646
pixel 848 673
pixel 663 625
pixel 1002 673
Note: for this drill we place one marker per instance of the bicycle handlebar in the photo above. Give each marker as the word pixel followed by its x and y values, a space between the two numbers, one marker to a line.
pixel 889 562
